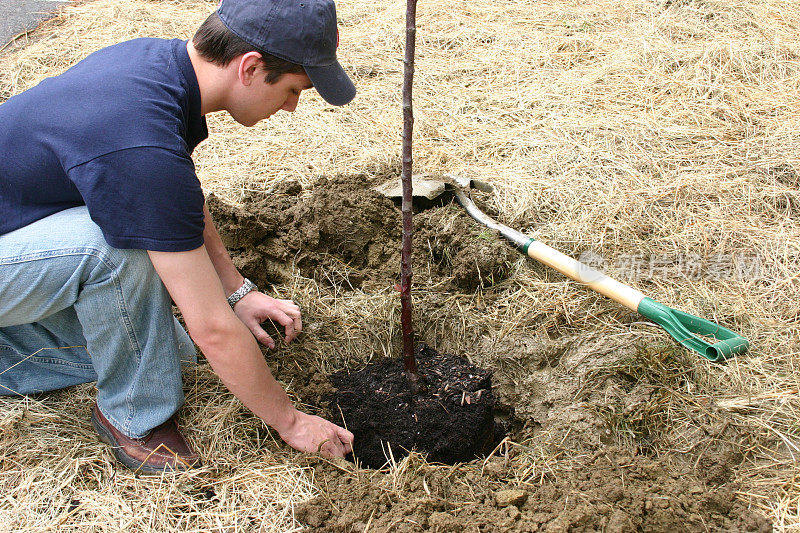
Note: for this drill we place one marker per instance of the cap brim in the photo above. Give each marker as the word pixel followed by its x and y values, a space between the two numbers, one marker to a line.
pixel 332 83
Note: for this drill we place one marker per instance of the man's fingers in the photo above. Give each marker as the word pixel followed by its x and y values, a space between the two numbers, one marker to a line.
pixel 263 337
pixel 296 327
pixel 283 313
pixel 288 324
pixel 289 328
pixel 340 443
pixel 312 434
pixel 293 311
pixel 346 438
pixel 331 448
pixel 337 450
pixel 347 448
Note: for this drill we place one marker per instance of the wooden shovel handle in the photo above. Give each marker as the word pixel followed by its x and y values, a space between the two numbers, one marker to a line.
pixel 584 274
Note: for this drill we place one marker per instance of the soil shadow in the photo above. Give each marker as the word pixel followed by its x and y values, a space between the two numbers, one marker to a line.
pixel 586 414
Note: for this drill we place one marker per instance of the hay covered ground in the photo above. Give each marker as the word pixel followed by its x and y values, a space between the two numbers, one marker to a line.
pixel 659 138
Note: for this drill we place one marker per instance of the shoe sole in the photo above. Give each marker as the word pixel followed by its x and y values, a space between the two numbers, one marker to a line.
pixel 124 458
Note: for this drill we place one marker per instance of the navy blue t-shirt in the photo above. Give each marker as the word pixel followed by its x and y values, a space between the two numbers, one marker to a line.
pixel 114 132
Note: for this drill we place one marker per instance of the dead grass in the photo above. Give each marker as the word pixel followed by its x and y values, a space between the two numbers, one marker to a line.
pixel 648 132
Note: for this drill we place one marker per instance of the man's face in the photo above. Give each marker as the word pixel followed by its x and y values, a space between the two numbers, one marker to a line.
pixel 259 100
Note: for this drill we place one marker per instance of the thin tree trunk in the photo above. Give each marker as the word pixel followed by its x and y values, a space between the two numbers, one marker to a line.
pixel 405 256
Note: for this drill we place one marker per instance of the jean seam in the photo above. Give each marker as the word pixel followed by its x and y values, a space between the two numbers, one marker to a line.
pixel 56 361
pixel 47 254
pixel 131 333
pixel 47 360
pixel 123 309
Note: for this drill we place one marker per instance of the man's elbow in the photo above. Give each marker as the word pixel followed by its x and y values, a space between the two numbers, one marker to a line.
pixel 215 336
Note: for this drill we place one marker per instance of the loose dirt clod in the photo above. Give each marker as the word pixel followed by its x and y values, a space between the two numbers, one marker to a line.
pixel 507 497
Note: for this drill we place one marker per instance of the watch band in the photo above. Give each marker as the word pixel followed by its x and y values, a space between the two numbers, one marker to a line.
pixel 246 287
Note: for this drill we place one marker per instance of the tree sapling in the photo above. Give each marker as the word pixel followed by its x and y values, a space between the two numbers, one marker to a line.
pixel 406 322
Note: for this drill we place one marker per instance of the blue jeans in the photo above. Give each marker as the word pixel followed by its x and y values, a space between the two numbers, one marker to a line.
pixel 74 310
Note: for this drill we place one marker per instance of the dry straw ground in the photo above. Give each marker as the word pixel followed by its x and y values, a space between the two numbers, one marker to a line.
pixel 649 132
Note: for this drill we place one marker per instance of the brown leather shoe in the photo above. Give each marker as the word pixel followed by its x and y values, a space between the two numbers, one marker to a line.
pixel 164 449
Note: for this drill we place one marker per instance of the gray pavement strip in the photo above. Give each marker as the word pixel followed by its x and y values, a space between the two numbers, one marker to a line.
pixel 18 16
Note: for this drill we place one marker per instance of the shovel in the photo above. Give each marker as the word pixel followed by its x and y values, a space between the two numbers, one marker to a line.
pixel 691 331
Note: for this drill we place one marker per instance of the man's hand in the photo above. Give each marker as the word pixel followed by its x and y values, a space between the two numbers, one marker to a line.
pixel 309 433
pixel 256 308
pixel 196 289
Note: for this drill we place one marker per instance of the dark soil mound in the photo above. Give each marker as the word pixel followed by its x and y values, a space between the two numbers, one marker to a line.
pixel 450 416
pixel 341 231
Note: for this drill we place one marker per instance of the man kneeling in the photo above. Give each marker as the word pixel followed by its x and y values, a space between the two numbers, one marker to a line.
pixel 103 224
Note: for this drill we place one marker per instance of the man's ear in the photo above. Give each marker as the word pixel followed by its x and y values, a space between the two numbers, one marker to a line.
pixel 249 65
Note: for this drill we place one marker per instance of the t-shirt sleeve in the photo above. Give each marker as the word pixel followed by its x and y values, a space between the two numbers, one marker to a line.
pixel 147 198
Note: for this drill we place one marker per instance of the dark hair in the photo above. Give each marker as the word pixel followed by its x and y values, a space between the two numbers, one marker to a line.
pixel 219 45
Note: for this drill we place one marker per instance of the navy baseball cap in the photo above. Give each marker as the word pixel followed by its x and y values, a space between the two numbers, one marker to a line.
pixel 300 31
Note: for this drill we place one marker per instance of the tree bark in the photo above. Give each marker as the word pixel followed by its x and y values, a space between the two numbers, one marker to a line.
pixel 405 256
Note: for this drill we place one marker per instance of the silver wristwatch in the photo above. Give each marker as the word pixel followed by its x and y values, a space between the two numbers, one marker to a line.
pixel 246 287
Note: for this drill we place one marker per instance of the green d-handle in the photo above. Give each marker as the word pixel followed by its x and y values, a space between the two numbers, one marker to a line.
pixel 684 328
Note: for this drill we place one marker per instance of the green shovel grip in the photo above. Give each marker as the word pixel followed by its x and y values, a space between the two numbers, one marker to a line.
pixel 685 329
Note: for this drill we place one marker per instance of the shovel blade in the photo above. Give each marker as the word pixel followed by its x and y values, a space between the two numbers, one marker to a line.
pixel 421 187
pixel 429 187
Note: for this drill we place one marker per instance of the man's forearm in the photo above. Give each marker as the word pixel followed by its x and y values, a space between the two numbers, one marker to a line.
pixel 238 362
pixel 228 274
pixel 194 284
pixel 226 342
